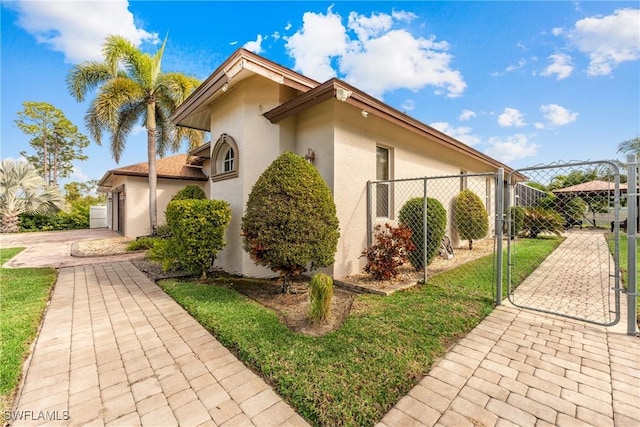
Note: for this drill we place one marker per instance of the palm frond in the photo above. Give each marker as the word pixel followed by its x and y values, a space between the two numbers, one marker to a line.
pixel 116 50
pixel 165 132
pixel 113 95
pixel 176 87
pixel 631 146
pixel 86 77
pixel 128 116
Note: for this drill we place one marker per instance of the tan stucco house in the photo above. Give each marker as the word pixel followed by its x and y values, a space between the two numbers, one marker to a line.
pixel 256 109
pixel 127 191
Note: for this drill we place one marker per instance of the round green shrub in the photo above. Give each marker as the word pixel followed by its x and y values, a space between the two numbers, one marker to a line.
pixel 290 220
pixel 197 232
pixel 191 191
pixel 470 217
pixel 320 294
pixel 411 214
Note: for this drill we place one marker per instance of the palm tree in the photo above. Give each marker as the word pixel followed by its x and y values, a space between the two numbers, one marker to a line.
pixel 631 146
pixel 22 190
pixel 131 88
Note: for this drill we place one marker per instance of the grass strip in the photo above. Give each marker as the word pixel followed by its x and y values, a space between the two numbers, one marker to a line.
pixel 24 293
pixel 354 375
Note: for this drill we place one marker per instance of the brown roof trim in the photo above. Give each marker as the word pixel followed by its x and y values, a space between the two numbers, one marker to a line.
pixel 373 106
pixel 172 167
pixel 202 151
pixel 240 59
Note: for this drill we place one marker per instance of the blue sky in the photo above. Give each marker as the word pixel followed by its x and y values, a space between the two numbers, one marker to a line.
pixel 525 82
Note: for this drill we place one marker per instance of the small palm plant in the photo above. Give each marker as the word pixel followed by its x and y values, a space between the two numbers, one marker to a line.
pixel 22 190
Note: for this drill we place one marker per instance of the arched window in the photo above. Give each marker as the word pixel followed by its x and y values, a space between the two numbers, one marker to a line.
pixel 224 158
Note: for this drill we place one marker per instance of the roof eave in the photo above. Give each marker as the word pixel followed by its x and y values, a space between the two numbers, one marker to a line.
pixel 335 88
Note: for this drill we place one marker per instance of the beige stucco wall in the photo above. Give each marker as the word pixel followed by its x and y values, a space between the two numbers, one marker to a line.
pixel 137 201
pixel 239 114
pixel 345 146
pixel 411 156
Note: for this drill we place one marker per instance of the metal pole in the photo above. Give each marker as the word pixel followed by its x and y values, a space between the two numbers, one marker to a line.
pixel 424 230
pixel 632 218
pixel 369 214
pixel 499 229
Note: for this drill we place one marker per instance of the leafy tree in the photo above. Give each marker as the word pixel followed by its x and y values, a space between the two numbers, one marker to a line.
pixel 573 178
pixel 470 217
pixel 56 140
pixel 75 191
pixel 22 190
pixel 132 88
pixel 290 220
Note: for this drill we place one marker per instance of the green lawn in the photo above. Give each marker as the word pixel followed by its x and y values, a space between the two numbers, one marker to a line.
pixel 354 375
pixel 24 293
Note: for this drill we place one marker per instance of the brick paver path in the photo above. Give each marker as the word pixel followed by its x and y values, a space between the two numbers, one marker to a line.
pixel 526 368
pixel 115 350
pixel 574 280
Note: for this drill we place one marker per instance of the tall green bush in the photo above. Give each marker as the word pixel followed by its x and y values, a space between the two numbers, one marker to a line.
pixel 320 294
pixel 191 191
pixel 290 220
pixel 470 217
pixel 411 214
pixel 197 232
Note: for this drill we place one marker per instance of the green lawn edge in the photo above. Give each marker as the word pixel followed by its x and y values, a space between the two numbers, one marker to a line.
pixel 24 293
pixel 354 375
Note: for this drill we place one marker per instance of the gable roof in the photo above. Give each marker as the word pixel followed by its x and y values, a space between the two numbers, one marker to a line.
pixel 194 112
pixel 595 186
pixel 172 167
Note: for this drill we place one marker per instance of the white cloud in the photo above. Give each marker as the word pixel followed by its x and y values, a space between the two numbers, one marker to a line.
pixel 408 105
pixel 557 115
pixel 233 43
pixel 560 66
pixel 608 40
pixel 255 46
pixel 466 115
pixel 511 117
pixel 373 52
pixel 511 148
pixel 461 133
pixel 288 26
pixel 557 31
pixel 521 63
pixel 321 38
pixel 78 29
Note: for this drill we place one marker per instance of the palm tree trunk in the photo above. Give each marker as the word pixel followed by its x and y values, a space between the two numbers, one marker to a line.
pixel 153 175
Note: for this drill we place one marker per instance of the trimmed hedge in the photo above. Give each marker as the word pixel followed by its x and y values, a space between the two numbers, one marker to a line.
pixel 411 214
pixel 470 217
pixel 197 232
pixel 290 222
pixel 189 192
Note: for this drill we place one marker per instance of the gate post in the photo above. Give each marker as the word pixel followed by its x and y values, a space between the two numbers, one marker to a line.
pixel 425 238
pixel 369 214
pixel 499 231
pixel 632 221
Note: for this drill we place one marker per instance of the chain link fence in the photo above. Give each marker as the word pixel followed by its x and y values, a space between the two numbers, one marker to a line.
pixel 584 204
pixel 451 218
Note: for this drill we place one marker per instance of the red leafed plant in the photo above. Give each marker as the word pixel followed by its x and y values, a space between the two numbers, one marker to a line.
pixel 390 251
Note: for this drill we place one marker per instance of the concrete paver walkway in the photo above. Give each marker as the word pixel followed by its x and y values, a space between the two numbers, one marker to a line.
pixel 115 350
pixel 527 368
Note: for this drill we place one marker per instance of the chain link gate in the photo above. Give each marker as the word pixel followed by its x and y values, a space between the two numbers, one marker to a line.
pixel 428 203
pixel 582 203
